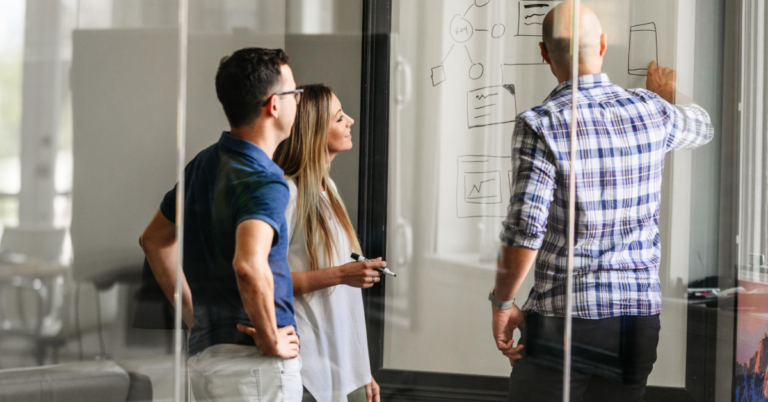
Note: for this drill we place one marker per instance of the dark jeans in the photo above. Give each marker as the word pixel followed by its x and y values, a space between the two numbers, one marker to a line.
pixel 611 359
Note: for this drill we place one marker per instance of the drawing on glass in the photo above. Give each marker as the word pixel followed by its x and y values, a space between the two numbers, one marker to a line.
pixel 480 191
pixel 530 15
pixel 643 48
pixel 491 105
pixel 461 30
pixel 438 75
pixel 482 187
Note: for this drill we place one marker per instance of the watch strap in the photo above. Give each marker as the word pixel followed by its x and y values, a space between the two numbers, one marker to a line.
pixel 502 305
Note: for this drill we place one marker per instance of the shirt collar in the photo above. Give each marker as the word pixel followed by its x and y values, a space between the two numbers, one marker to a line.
pixel 586 82
pixel 247 148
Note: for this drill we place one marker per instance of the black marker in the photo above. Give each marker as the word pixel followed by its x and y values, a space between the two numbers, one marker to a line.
pixel 360 258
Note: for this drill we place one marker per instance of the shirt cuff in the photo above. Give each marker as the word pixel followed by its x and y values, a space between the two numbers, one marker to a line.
pixel 519 239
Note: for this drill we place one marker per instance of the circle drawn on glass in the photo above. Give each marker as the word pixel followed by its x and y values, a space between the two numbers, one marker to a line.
pixel 498 30
pixel 461 30
pixel 476 71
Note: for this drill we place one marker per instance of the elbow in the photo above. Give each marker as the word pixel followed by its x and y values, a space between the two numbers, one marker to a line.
pixel 250 272
pixel 147 244
pixel 243 272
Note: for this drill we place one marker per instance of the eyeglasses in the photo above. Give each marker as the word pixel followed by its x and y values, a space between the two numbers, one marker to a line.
pixel 296 94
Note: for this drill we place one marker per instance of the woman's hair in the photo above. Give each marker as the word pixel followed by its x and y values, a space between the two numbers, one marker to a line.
pixel 304 158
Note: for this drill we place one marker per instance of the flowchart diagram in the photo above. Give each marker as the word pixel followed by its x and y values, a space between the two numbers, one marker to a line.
pixel 461 30
pixel 492 105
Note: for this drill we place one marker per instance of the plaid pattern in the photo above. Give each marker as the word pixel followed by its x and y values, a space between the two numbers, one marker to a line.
pixel 622 138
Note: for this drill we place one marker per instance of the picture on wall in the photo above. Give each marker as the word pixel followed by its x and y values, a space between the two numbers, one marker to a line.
pixel 752 343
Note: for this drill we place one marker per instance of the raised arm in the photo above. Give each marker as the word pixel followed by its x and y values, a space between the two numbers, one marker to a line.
pixel 257 289
pixel 688 124
pixel 159 244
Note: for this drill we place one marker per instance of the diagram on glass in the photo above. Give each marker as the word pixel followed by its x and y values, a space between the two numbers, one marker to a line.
pixel 643 48
pixel 482 187
pixel 461 31
pixel 481 190
pixel 491 105
pixel 530 15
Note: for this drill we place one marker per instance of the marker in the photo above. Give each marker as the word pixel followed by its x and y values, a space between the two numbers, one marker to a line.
pixel 360 258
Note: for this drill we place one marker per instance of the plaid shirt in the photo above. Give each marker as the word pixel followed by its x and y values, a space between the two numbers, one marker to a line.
pixel 622 138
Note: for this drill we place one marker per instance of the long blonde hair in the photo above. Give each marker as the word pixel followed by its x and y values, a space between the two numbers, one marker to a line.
pixel 304 158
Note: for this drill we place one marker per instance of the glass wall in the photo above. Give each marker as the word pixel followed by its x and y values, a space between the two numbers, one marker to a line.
pixel 90 102
pixel 88 98
pixel 89 107
pixel 452 174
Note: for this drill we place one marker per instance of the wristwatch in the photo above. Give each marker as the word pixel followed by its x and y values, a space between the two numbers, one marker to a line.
pixel 502 305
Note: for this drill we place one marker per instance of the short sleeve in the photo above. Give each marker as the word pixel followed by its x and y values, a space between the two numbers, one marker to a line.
pixel 168 205
pixel 264 200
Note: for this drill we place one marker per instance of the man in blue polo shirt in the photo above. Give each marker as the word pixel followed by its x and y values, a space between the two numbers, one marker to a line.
pixel 235 241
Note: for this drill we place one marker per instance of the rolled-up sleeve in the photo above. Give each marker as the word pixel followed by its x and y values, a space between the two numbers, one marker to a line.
pixel 532 191
pixel 691 127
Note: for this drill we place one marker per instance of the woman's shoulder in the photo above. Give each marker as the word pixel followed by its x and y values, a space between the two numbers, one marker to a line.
pixel 292 186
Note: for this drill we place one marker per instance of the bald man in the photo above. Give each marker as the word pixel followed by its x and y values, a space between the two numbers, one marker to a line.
pixel 622 137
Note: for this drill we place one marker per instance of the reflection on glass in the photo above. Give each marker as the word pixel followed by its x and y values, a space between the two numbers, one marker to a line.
pixel 86 134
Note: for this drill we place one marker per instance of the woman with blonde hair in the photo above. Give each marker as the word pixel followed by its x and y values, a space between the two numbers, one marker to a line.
pixel 327 297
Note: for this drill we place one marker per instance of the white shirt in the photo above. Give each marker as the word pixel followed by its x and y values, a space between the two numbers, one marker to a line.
pixel 331 322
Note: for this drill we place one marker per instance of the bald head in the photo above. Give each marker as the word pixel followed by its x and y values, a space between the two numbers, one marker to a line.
pixel 556 35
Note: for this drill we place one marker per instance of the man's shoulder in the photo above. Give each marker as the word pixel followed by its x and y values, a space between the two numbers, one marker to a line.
pixel 546 111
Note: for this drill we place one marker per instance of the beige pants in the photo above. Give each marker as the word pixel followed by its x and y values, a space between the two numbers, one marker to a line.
pixel 236 373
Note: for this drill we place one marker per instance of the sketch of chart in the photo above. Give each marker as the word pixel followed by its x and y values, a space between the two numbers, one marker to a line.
pixel 530 16
pixel 480 188
pixel 491 105
pixel 643 48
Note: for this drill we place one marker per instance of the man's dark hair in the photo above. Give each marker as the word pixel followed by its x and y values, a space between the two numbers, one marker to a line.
pixel 244 81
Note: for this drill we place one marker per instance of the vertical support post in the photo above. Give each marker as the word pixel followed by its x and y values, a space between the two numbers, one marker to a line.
pixel 181 141
pixel 571 200
pixel 41 111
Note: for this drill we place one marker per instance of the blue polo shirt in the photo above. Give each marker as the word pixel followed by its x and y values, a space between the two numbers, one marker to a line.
pixel 228 183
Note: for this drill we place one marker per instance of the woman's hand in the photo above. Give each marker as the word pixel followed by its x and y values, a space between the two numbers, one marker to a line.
pixel 372 391
pixel 361 274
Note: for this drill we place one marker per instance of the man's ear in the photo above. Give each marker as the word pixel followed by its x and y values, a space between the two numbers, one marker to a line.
pixel 273 107
pixel 603 44
pixel 544 53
